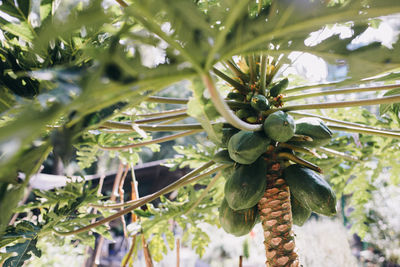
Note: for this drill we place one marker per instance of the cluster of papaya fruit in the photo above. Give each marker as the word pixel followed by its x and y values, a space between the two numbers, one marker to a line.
pixel 258 102
pixel 249 154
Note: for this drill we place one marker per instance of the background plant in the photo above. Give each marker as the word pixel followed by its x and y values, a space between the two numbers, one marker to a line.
pixel 70 73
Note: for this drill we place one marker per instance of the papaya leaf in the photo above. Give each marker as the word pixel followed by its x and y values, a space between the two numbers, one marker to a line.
pixel 20 29
pixel 24 252
pixel 384 108
pixel 9 7
pixel 204 111
pixel 46 7
pixel 189 31
pixel 23 230
pixel 24 6
pixel 200 240
pixel 7 100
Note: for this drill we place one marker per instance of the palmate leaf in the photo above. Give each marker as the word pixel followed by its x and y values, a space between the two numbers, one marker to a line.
pixel 189 33
pixel 394 108
pixel 297 19
pixel 24 252
pixel 19 24
pixel 363 62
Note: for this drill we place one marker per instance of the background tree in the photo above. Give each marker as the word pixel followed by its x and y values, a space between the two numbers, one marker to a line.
pixel 75 75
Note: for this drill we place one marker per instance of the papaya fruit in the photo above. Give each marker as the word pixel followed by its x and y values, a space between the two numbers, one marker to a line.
pixel 252 119
pixel 247 185
pixel 227 133
pixel 300 214
pixel 222 157
pixel 245 113
pixel 228 172
pixel 279 126
pixel 310 189
pixel 316 129
pixel 246 147
pixel 259 103
pixel 278 87
pixel 235 96
pixel 237 222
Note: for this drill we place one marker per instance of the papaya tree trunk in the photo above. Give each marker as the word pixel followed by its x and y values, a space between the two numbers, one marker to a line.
pixel 276 218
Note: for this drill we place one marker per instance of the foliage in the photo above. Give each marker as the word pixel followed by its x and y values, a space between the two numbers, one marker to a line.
pixel 80 66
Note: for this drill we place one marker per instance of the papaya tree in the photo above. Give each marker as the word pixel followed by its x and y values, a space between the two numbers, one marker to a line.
pixel 77 81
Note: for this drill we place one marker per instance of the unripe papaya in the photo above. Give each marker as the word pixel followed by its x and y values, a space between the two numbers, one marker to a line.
pixel 247 185
pixel 310 189
pixel 259 102
pixel 227 133
pixel 244 113
pixel 279 126
pixel 235 96
pixel 237 222
pixel 246 147
pixel 300 214
pixel 252 119
pixel 223 157
pixel 316 129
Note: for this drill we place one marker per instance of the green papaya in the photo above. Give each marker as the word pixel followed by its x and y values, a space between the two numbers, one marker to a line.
pixel 246 147
pixel 300 214
pixel 247 185
pixel 235 96
pixel 227 133
pixel 279 87
pixel 310 189
pixel 316 129
pixel 259 102
pixel 228 172
pixel 245 113
pixel 252 119
pixel 222 157
pixel 237 222
pixel 279 126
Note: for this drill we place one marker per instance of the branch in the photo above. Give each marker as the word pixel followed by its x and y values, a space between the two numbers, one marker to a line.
pixel 163 118
pixel 341 91
pixel 164 112
pixel 364 131
pixel 204 193
pixel 167 100
pixel 338 154
pixel 300 149
pixel 242 88
pixel 263 73
pixel 301 114
pixel 181 182
pixel 151 128
pixel 300 161
pixel 186 176
pixel 155 141
pixel 343 104
pixel 223 108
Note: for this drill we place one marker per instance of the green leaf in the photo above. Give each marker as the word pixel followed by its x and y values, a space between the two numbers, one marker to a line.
pixel 384 108
pixel 24 252
pixel 6 100
pixel 8 7
pixel 46 7
pixel 190 32
pixel 204 111
pixel 24 6
pixel 20 29
pixel 297 19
